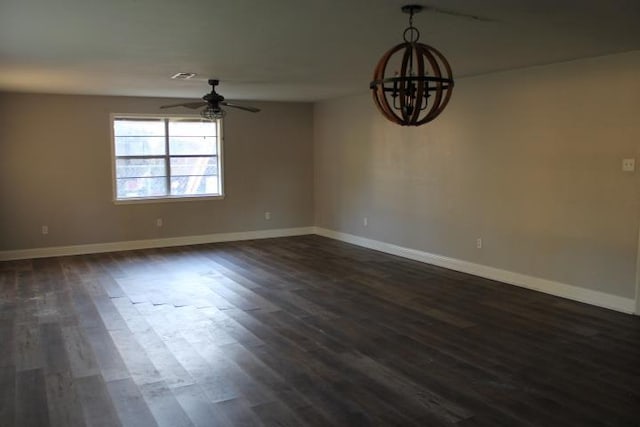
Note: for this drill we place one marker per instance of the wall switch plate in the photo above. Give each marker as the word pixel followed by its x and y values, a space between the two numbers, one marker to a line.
pixel 267 216
pixel 479 243
pixel 365 221
pixel 159 222
pixel 45 229
pixel 628 165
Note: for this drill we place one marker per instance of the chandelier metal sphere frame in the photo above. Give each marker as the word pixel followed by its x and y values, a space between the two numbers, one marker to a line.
pixel 421 85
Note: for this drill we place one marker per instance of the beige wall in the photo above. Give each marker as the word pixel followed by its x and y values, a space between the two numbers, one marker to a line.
pixel 528 160
pixel 55 170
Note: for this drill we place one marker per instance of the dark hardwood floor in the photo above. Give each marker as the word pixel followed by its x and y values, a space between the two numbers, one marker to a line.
pixel 301 331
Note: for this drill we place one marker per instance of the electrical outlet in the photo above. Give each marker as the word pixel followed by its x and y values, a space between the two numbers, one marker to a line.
pixel 45 229
pixel 159 222
pixel 479 243
pixel 267 216
pixel 628 165
pixel 365 221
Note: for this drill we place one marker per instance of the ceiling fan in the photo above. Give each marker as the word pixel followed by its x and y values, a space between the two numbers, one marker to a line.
pixel 213 103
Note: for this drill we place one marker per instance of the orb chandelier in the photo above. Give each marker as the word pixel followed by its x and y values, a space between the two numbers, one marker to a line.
pixel 421 85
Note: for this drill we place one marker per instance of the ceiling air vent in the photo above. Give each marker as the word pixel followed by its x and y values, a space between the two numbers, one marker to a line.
pixel 183 76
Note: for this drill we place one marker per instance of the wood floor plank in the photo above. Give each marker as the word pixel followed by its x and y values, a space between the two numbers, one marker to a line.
pixel 8 399
pixel 323 394
pixel 381 376
pixel 164 361
pixel 83 306
pixel 55 354
pixel 281 389
pixel 230 327
pixel 97 406
pixel 82 359
pixel 109 360
pixel 211 379
pixel 277 414
pixel 251 391
pixel 28 288
pixel 240 297
pixel 164 406
pixel 135 321
pixel 28 352
pixel 238 413
pixel 129 404
pixel 31 399
pixel 63 401
pixel 201 411
pixel 110 286
pixel 135 358
pixel 111 318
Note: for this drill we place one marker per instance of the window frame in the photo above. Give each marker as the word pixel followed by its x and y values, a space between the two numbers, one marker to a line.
pixel 165 198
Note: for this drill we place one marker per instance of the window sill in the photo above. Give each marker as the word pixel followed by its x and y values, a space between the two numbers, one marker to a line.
pixel 166 199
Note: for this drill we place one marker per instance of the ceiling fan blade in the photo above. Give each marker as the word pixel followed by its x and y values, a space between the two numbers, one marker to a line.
pixel 192 105
pixel 241 107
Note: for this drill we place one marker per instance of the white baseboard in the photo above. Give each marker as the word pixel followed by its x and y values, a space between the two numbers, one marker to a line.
pixel 600 299
pixel 151 243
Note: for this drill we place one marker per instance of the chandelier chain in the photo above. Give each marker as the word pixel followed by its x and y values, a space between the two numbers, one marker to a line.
pixel 411 33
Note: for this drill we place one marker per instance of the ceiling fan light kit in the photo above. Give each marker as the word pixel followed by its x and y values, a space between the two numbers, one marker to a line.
pixel 211 114
pixel 421 85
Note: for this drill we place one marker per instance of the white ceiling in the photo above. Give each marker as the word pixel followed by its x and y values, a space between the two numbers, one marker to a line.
pixel 291 50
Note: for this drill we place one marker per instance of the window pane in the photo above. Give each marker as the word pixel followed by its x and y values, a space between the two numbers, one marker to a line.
pixel 194 185
pixel 138 127
pixel 184 145
pixel 140 187
pixel 140 145
pixel 194 166
pixel 133 168
pixel 192 128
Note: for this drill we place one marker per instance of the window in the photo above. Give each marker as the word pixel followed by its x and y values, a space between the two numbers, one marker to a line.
pixel 166 158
